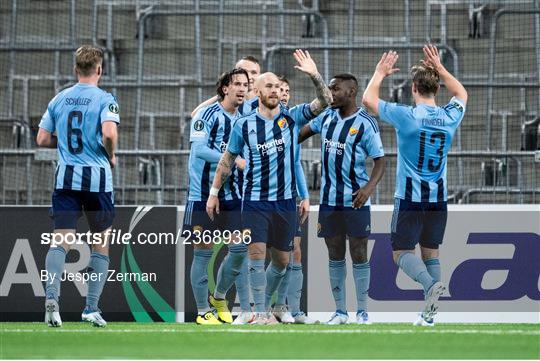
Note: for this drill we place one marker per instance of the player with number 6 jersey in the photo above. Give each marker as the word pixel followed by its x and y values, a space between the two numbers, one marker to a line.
pixel 84 119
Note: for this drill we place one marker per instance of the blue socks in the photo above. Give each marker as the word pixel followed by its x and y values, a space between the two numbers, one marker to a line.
pixel 294 293
pixel 99 266
pixel 274 276
pixel 284 285
pixel 338 274
pixel 257 281
pixel 229 270
pixel 361 274
pixel 433 266
pixel 242 286
pixel 415 269
pixel 54 264
pixel 199 278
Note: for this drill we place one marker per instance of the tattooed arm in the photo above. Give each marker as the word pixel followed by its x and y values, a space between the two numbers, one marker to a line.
pixel 308 66
pixel 324 95
pixel 223 171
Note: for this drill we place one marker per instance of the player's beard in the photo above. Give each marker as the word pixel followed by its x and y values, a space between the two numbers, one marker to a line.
pixel 268 103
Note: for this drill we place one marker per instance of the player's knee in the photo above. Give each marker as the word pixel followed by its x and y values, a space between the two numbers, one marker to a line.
pixel 203 246
pixel 429 251
pixel 396 255
pixel 336 248
pixel 280 261
pixel 358 249
pixel 257 251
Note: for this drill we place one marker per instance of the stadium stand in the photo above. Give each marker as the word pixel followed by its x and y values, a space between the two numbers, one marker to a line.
pixel 162 59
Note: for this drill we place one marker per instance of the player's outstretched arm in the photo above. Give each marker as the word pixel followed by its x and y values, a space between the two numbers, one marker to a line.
pixel 384 68
pixel 362 194
pixel 453 85
pixel 46 139
pixel 110 140
pixel 307 65
pixel 204 104
pixel 223 172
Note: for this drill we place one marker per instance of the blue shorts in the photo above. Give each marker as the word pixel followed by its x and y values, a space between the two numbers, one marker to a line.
pixel 418 222
pixel 68 206
pixel 272 222
pixel 229 217
pixel 341 220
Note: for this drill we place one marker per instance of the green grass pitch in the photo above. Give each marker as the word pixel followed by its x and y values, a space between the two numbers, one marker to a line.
pixel 162 340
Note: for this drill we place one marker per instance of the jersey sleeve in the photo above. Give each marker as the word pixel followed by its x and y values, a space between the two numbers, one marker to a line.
pixel 301 114
pixel 316 123
pixel 300 177
pixel 393 113
pixel 236 140
pixel 110 111
pixel 455 110
pixel 47 120
pixel 199 129
pixel 371 142
pixel 199 138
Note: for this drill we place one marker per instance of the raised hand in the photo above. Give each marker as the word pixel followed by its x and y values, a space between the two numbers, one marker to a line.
pixel 431 57
pixel 385 66
pixel 305 63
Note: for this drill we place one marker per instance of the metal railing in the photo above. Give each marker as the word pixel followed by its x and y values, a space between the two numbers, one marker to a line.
pixel 160 176
pixel 492 57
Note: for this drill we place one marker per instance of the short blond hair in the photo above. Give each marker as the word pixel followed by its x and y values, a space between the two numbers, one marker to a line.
pixel 87 58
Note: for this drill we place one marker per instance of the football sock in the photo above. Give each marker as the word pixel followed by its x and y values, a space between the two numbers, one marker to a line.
pixel 257 281
pixel 415 269
pixel 242 286
pixel 199 278
pixel 274 276
pixel 294 293
pixel 229 270
pixel 284 285
pixel 98 268
pixel 338 274
pixel 361 274
pixel 54 264
pixel 434 268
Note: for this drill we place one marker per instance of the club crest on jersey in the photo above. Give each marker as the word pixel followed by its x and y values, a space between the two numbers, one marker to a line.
pixel 353 131
pixel 282 123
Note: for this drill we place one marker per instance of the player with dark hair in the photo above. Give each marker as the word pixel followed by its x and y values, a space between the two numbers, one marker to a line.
pixel 349 135
pixel 252 66
pixel 424 137
pixel 84 119
pixel 210 133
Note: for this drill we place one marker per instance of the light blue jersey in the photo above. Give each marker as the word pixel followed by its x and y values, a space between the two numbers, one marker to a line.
pixel 248 106
pixel 270 148
pixel 345 146
pixel 209 135
pixel 424 137
pixel 76 115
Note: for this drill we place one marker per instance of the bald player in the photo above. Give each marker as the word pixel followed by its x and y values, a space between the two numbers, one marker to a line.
pixel 268 138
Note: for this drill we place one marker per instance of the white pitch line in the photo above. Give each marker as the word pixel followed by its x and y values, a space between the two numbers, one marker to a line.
pixel 270 331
